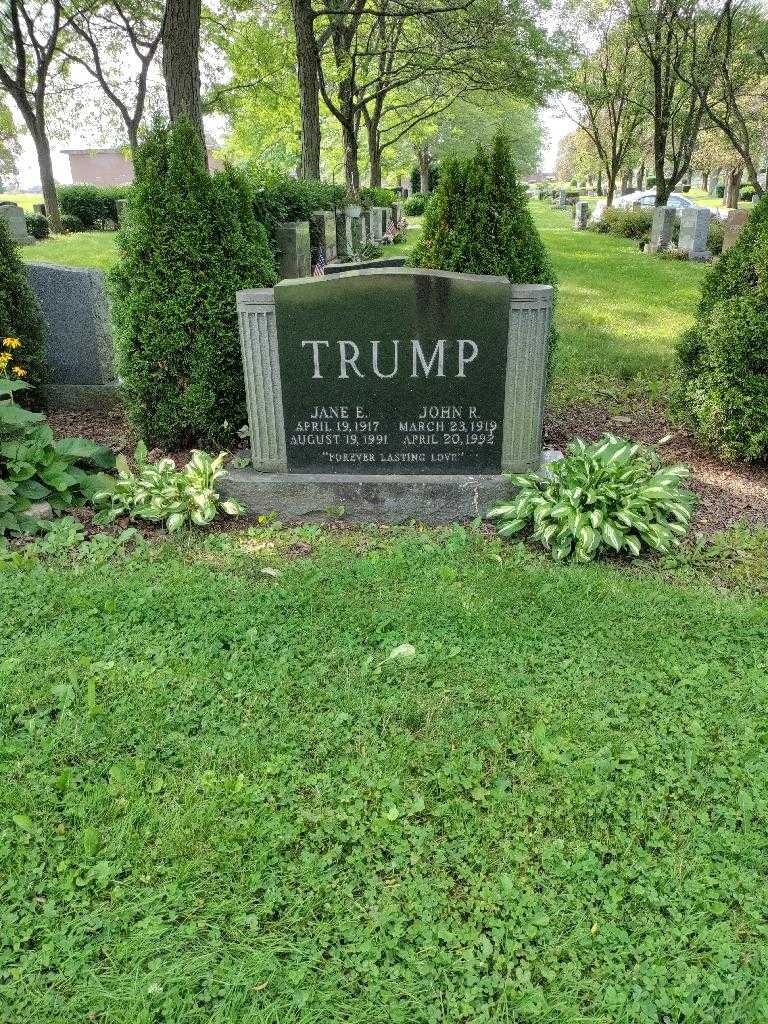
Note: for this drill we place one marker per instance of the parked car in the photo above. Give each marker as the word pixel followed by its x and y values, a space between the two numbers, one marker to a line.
pixel 647 198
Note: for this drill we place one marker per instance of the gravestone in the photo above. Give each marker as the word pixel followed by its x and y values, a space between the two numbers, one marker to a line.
pixel 358 229
pixel 397 394
pixel 78 340
pixel 323 234
pixel 12 215
pixel 39 209
pixel 560 199
pixel 378 223
pixel 343 235
pixel 732 227
pixel 293 249
pixel 581 215
pixel 663 224
pixel 694 232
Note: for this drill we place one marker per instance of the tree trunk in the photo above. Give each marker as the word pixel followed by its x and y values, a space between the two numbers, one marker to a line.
pixel 610 190
pixel 309 98
pixel 640 180
pixel 375 161
pixel 705 180
pixel 599 183
pixel 732 186
pixel 424 162
pixel 47 180
pixel 181 62
pixel 351 165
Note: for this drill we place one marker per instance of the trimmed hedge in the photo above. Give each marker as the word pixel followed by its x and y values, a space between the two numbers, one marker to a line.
pixel 722 390
pixel 635 224
pixel 71 224
pixel 91 203
pixel 377 197
pixel 189 242
pixel 37 226
pixel 416 204
pixel 20 318
pixel 278 198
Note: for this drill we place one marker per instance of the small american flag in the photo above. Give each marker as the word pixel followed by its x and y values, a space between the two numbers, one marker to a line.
pixel 319 270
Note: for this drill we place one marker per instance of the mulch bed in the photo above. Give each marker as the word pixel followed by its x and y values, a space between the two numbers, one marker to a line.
pixel 728 494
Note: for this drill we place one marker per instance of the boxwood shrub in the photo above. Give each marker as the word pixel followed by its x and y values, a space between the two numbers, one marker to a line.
pixel 189 243
pixel 635 224
pixel 377 196
pixel 722 389
pixel 416 204
pixel 20 319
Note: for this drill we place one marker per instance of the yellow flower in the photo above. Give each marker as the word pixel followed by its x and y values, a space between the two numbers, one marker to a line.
pixel 11 343
pixel 19 371
pixel 5 358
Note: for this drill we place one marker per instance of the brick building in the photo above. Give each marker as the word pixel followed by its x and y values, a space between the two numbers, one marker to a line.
pixel 108 166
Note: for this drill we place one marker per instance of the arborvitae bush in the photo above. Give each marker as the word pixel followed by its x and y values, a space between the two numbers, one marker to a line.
pixel 20 319
pixel 189 242
pixel 723 360
pixel 478 222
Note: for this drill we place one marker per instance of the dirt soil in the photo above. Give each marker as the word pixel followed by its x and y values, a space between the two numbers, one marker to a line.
pixel 728 493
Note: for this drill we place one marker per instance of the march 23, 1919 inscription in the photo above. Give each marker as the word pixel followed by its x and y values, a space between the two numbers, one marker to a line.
pixel 395 371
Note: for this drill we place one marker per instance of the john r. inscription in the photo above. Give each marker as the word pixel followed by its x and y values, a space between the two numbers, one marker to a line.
pixel 410 381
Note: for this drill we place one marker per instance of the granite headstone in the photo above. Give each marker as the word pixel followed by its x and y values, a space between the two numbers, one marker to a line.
pixel 12 215
pixel 694 232
pixel 363 381
pixel 293 249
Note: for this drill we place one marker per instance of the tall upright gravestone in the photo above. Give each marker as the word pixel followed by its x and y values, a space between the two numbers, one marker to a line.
pixel 395 394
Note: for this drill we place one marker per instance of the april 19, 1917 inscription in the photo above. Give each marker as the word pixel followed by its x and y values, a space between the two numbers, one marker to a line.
pixel 397 373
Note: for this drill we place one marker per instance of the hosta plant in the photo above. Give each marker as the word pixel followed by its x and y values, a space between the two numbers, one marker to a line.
pixel 611 495
pixel 158 492
pixel 35 467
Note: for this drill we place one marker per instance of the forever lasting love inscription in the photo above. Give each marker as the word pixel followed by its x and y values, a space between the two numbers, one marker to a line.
pixel 397 372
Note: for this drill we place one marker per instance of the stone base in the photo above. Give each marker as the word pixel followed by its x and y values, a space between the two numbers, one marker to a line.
pixel 323 497
pixel 82 397
pixel 369 498
pixel 700 257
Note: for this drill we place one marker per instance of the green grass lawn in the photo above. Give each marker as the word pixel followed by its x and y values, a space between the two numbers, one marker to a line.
pixel 26 200
pixel 227 801
pixel 619 312
pixel 82 249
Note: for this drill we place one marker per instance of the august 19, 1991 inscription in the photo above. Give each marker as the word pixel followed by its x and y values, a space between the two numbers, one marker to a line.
pixel 398 372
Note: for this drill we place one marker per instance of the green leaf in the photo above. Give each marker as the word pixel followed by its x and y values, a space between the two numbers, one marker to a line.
pixel 7 386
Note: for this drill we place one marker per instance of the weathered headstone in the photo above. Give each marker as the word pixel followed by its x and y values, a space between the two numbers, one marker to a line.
pixel 323 235
pixel 581 215
pixel 378 223
pixel 663 224
pixel 694 232
pixel 358 228
pixel 12 215
pixel 293 249
pixel 398 393
pixel 560 199
pixel 343 235
pixel 78 340
pixel 732 227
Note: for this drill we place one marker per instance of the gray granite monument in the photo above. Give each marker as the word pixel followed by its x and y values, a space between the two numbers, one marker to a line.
pixel 581 215
pixel 78 340
pixel 395 394
pixel 293 249
pixel 662 226
pixel 323 234
pixel 12 215
pixel 694 232
pixel 732 227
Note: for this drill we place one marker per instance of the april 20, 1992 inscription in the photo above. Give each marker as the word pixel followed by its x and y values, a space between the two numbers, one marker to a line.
pixel 407 379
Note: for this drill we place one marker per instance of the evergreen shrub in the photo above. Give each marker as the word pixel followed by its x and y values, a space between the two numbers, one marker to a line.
pixel 91 204
pixel 37 226
pixel 377 196
pixel 278 198
pixel 635 224
pixel 71 224
pixel 20 320
pixel 722 388
pixel 189 242
pixel 416 204
pixel 478 222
